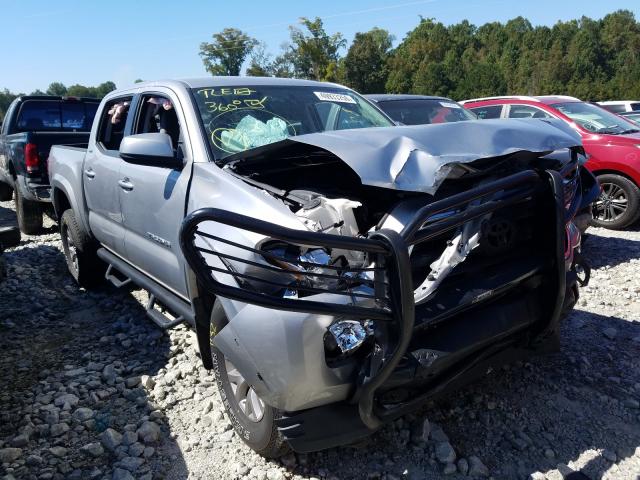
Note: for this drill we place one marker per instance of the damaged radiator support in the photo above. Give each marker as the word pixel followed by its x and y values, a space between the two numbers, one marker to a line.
pixel 393 303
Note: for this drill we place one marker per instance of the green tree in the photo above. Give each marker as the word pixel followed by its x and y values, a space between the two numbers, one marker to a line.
pixel 260 64
pixel 314 53
pixel 365 65
pixel 228 51
pixel 104 88
pixel 6 97
pixel 56 88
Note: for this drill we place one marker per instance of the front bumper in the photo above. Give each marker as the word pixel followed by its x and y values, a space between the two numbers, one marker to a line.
pixel 306 429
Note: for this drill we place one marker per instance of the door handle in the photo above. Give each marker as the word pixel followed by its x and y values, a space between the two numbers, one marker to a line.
pixel 89 173
pixel 125 184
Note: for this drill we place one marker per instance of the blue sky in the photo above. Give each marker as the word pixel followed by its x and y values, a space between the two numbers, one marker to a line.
pixel 89 42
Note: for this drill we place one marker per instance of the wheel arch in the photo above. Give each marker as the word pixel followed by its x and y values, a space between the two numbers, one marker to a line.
pixel 608 171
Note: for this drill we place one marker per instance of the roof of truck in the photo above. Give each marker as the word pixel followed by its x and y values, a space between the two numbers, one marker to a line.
pixel 205 82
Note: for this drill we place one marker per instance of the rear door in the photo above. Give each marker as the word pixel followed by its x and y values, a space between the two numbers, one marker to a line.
pixel 102 173
pixel 153 204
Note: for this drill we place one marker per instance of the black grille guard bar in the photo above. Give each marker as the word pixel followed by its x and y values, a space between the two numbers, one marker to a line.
pixel 389 248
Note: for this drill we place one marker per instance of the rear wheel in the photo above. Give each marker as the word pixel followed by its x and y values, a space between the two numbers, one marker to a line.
pixel 618 206
pixel 29 214
pixel 80 252
pixel 6 192
pixel 252 419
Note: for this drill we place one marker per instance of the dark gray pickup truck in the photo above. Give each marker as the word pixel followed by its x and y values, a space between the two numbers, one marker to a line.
pixel 31 126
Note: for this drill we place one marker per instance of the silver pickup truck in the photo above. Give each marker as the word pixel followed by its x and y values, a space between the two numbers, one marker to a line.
pixel 339 270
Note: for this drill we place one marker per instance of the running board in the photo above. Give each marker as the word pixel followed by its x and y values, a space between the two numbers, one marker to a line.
pixel 158 295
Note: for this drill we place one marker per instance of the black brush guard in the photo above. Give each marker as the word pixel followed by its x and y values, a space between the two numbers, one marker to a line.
pixel 393 297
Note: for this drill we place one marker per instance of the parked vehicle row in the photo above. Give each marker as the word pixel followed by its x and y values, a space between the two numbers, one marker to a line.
pixel 31 126
pixel 339 270
pixel 612 145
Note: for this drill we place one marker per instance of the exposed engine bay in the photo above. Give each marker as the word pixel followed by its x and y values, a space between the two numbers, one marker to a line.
pixel 327 196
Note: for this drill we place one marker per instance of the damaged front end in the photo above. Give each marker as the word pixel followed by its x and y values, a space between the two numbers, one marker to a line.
pixel 385 297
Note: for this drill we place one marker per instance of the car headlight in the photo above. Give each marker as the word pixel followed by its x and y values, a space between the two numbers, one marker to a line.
pixel 310 271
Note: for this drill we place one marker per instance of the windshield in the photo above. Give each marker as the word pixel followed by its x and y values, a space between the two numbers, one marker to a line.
pixel 423 111
pixel 241 118
pixel 595 119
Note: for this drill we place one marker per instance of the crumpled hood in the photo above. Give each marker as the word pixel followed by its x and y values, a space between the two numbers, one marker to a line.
pixel 418 158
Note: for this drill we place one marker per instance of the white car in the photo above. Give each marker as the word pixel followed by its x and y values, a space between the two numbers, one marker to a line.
pixel 619 106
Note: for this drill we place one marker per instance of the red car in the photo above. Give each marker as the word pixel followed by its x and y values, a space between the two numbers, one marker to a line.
pixel 612 145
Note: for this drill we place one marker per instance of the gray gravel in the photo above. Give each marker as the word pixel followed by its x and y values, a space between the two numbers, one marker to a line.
pixel 89 388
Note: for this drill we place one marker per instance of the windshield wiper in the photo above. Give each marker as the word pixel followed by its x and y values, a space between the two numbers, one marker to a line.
pixel 630 130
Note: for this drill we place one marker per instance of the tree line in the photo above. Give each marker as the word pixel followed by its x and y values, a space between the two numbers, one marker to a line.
pixel 58 88
pixel 587 58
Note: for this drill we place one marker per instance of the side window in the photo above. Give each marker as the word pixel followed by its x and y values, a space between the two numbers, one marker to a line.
pixel 527 111
pixel 489 111
pixel 157 114
pixel 112 123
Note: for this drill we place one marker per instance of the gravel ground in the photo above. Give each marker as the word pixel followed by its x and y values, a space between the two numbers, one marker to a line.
pixel 89 388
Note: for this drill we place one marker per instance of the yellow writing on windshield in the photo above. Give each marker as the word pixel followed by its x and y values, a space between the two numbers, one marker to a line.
pixel 226 91
pixel 255 103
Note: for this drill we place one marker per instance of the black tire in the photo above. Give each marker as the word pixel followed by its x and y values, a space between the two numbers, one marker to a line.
pixel 618 206
pixel 29 214
pixel 80 252
pixel 260 434
pixel 6 192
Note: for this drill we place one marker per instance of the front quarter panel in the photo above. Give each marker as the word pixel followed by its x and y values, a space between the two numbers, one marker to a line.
pixel 280 353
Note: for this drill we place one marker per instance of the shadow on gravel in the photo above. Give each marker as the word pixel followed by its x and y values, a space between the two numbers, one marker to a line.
pixel 580 403
pixel 609 251
pixel 75 364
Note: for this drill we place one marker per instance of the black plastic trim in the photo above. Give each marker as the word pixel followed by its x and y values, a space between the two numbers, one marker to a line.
pixel 162 294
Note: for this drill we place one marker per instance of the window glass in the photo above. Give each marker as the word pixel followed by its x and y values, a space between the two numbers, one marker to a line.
pixel 527 111
pixel 487 112
pixel 157 114
pixel 421 111
pixel 112 123
pixel 56 115
pixel 635 107
pixel 241 118
pixel 595 119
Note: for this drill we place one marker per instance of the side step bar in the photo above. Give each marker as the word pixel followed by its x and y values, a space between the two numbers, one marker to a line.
pixel 157 293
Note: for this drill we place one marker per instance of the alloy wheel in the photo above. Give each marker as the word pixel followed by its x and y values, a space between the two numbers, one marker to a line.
pixel 72 250
pixel 247 399
pixel 611 204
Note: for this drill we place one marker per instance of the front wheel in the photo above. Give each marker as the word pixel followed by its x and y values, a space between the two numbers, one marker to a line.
pixel 618 205
pixel 252 419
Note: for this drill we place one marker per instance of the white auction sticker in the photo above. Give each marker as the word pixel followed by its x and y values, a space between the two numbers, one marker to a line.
pixel 449 105
pixel 334 97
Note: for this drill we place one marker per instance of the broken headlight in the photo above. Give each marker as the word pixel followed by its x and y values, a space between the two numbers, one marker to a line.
pixel 310 271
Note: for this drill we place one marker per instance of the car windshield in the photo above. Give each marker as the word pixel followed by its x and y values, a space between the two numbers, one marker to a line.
pixel 245 117
pixel 424 111
pixel 595 119
pixel 634 117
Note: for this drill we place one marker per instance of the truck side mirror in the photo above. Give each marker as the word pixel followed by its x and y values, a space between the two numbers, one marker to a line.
pixel 151 149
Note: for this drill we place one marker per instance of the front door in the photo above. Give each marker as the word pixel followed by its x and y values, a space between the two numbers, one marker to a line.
pixel 101 175
pixel 153 204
